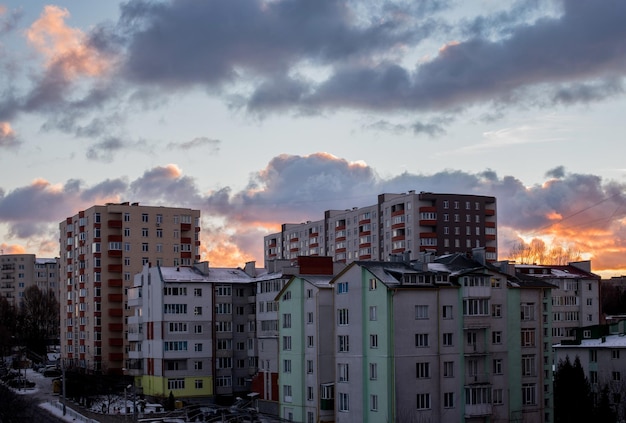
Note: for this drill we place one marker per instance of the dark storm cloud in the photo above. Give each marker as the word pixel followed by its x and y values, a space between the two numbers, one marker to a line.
pixel 260 52
pixel 186 43
pixel 585 43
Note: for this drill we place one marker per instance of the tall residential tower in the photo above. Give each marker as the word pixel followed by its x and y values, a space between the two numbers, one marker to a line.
pixel 102 248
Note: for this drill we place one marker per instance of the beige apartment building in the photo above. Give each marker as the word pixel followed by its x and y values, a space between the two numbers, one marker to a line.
pixel 102 248
pixel 20 271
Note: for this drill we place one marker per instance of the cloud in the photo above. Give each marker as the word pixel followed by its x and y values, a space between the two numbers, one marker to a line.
pixel 8 138
pixel 580 211
pixel 213 146
pixel 166 185
pixel 313 57
pixel 65 48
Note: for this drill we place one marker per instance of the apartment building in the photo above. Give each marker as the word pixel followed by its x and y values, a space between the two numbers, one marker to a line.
pixel 170 332
pixel 449 340
pixel 102 247
pixel 398 224
pixel 279 273
pixel 306 350
pixel 20 271
pixel 575 297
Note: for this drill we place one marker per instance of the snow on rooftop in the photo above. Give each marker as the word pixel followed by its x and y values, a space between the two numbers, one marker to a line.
pixel 611 341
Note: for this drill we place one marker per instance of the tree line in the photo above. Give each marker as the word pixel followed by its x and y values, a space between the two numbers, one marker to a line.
pixel 33 323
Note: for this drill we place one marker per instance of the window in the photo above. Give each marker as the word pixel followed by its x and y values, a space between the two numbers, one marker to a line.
pixel 286 343
pixel 310 341
pixel 448 400
pixel 615 354
pixel 287 393
pixel 197 292
pixel 593 376
pixel 477 395
pixel 372 284
pixel 344 402
pixel 448 369
pixel 175 346
pixel 593 356
pixel 197 347
pixel 286 320
pixel 496 337
pixel 173 384
pixel 309 318
pixel 616 376
pixel 309 393
pixel 476 307
pixel 423 401
pixel 373 371
pixel 144 217
pixel 528 365
pixel 529 394
pixel 447 339
pixel 496 310
pixel 343 372
pixel 373 315
pixel 144 232
pixel 223 381
pixel 344 343
pixel 197 311
pixel 422 370
pixel 421 339
pixel 175 308
pixel 421 312
pixel 528 337
pixel 342 287
pixel 199 384
pixel 309 366
pixel 528 311
pixel 497 366
pixel 287 366
pixel 197 365
pixel 342 316
pixel 446 312
pixel 373 341
pixel 498 398
pixel 374 402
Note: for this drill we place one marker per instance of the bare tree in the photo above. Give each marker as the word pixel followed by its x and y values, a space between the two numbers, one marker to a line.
pixel 39 312
pixel 536 252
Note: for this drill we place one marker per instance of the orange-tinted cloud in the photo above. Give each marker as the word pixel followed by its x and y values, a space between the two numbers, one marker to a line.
pixel 65 47
pixel 12 249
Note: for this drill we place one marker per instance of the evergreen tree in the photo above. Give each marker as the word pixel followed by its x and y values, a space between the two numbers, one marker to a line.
pixel 603 413
pixel 572 393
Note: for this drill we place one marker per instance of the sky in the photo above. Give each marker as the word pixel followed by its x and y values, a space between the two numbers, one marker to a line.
pixel 262 112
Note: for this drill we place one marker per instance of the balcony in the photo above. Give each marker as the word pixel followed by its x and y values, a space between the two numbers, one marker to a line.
pixel 115 283
pixel 114 224
pixel 478 410
pixel 477 379
pixel 115 298
pixel 115 268
pixel 185 227
pixel 116 342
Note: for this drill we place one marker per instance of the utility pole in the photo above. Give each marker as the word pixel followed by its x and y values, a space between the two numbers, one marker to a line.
pixel 63 384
